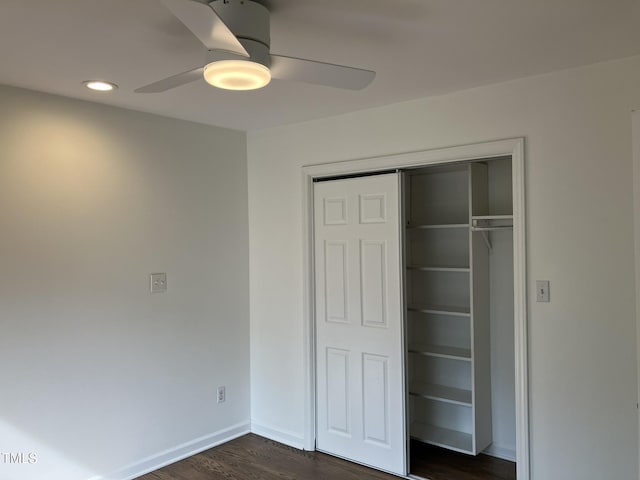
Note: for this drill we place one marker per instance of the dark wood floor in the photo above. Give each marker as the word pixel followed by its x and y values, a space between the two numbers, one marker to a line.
pixel 256 458
pixel 437 463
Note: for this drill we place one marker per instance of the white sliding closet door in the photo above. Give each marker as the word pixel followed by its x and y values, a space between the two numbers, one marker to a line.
pixel 360 382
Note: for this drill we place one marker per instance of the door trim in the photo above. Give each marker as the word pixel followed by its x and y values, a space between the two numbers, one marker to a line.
pixel 513 147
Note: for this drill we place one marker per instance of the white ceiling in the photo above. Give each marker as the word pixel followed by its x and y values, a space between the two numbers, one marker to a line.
pixel 418 48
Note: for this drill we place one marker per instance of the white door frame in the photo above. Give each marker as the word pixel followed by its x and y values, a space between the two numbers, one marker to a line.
pixel 513 147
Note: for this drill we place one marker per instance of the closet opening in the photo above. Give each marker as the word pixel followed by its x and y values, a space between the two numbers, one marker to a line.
pixel 459 320
pixel 420 259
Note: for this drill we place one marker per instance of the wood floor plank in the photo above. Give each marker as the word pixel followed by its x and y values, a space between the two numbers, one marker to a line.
pixel 437 463
pixel 256 458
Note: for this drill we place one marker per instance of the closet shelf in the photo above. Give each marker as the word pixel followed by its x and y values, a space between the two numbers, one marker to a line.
pixel 485 223
pixel 428 226
pixel 442 351
pixel 441 393
pixel 442 437
pixel 492 217
pixel 440 309
pixel 425 268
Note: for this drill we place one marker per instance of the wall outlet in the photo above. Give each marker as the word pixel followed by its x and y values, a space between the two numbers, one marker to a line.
pixel 222 394
pixel 158 282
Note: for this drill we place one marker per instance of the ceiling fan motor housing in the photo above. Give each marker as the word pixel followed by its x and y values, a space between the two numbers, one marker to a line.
pixel 236 34
pixel 249 22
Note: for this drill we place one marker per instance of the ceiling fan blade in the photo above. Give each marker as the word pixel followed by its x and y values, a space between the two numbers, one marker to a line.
pixel 309 71
pixel 205 24
pixel 173 81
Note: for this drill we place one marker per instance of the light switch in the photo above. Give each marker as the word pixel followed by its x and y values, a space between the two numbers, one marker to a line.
pixel 542 291
pixel 158 282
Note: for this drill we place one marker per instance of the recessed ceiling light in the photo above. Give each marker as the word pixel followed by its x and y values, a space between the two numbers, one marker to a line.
pixel 99 85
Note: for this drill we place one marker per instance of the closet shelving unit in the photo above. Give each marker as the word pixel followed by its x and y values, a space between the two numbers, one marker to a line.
pixel 448 220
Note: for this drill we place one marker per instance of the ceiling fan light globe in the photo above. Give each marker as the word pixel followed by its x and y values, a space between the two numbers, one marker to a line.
pixel 237 75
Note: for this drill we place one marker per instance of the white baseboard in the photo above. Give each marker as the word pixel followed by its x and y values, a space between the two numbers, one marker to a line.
pixel 498 451
pixel 278 435
pixel 172 455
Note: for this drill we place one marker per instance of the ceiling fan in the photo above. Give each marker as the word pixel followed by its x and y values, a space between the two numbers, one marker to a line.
pixel 237 36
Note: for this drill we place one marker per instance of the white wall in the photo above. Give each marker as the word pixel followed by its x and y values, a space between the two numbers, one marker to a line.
pixel 635 125
pixel 99 377
pixel 503 414
pixel 583 382
pixel 501 306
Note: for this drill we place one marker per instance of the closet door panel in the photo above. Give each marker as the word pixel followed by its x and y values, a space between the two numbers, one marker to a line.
pixel 335 267
pixel 375 399
pixel 373 280
pixel 359 347
pixel 338 391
